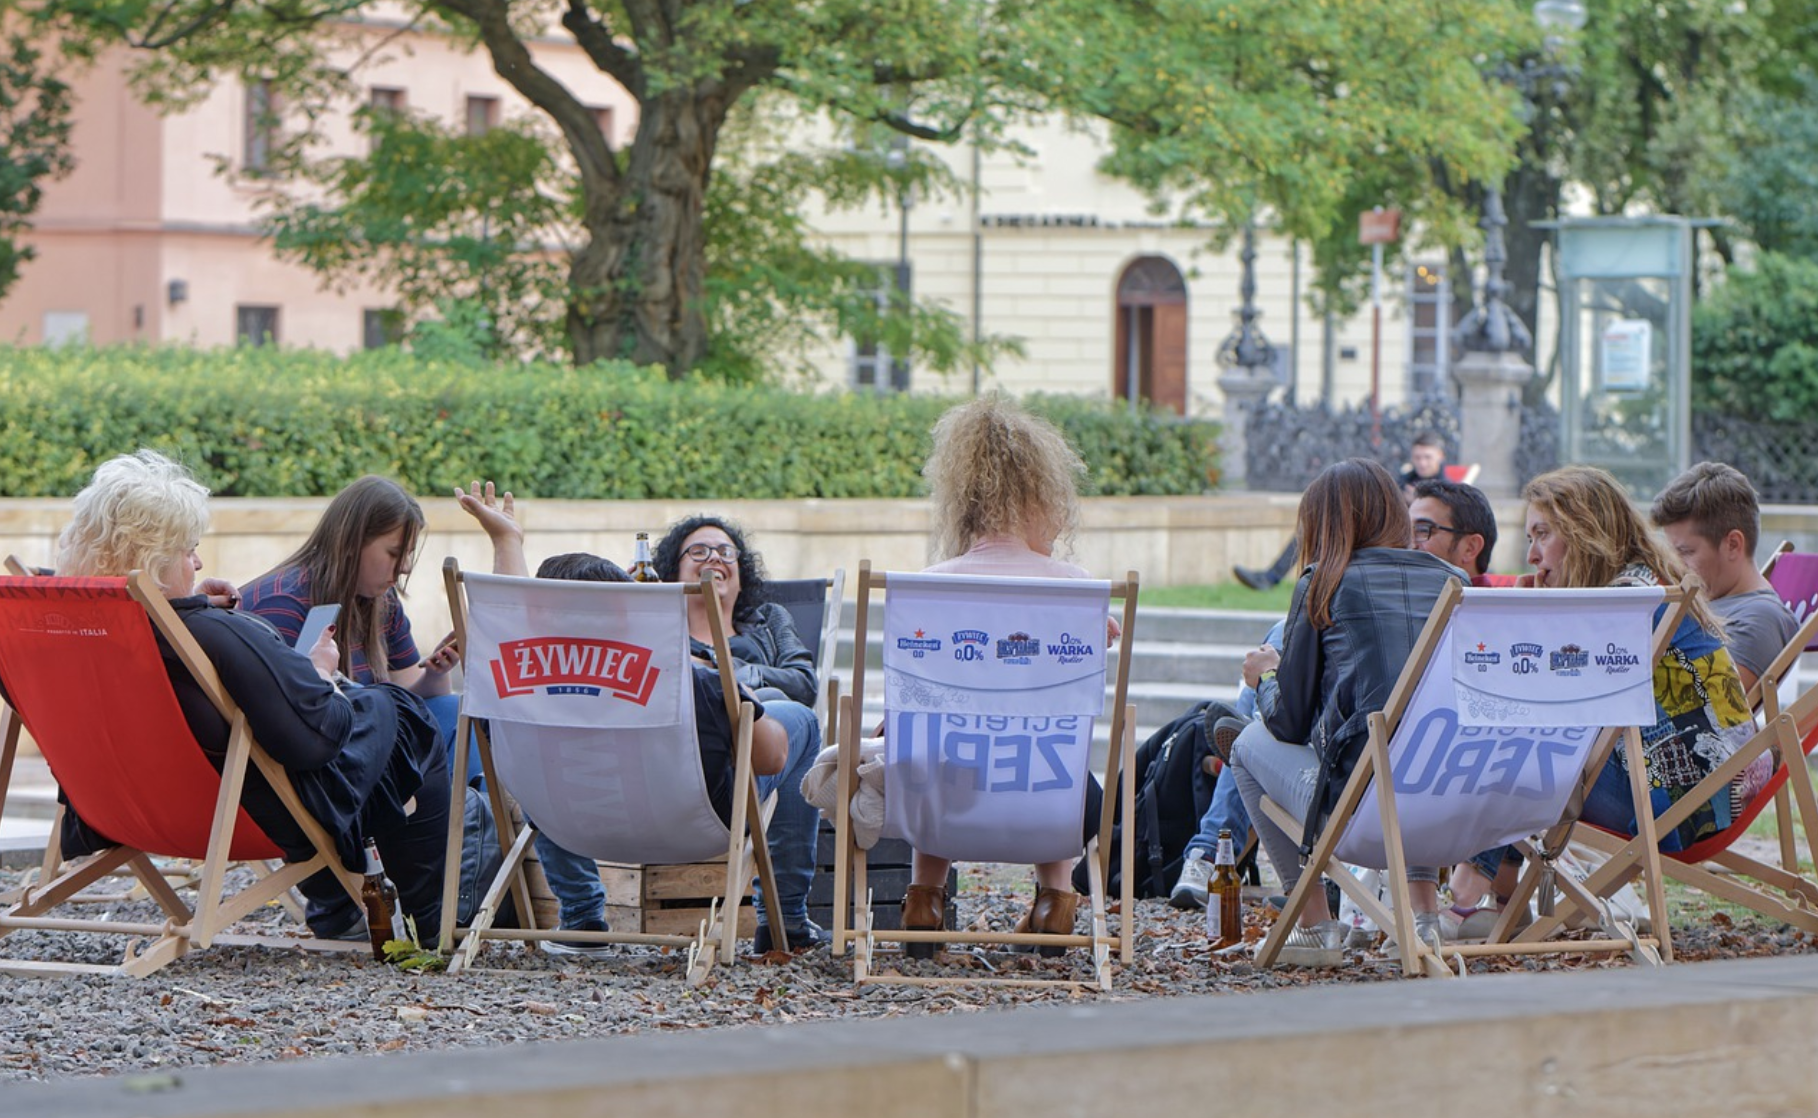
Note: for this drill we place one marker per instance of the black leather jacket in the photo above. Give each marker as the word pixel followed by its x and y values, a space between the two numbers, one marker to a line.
pixel 769 653
pixel 1331 680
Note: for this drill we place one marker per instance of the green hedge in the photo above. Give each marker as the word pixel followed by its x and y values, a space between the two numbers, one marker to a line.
pixel 271 423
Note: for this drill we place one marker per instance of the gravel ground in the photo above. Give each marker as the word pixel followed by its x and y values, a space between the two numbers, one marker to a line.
pixel 231 1005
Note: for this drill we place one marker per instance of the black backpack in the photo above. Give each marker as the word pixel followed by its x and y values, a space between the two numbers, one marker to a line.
pixel 1173 790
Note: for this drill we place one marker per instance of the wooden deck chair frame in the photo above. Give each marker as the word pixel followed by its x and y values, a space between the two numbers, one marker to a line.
pixel 181 874
pixel 1779 892
pixel 1417 957
pixel 185 928
pixel 852 918
pixel 826 636
pixel 717 936
pixel 1764 697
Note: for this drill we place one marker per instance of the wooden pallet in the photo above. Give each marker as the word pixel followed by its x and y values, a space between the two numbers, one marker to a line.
pixel 887 875
pixel 672 900
pixel 656 900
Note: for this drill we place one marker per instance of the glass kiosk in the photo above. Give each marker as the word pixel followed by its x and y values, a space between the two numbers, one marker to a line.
pixel 1625 346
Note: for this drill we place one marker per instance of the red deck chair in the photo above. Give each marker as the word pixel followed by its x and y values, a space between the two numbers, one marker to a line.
pixel 1794 577
pixel 83 673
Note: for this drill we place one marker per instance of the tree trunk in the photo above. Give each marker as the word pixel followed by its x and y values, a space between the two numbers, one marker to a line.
pixel 637 287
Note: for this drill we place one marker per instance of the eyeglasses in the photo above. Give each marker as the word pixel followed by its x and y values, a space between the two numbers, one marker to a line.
pixel 699 552
pixel 1424 529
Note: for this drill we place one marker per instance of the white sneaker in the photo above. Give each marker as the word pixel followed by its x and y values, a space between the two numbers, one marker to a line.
pixel 1322 945
pixel 1426 930
pixel 1195 876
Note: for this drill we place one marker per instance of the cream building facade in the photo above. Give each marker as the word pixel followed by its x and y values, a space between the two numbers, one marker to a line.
pixel 147 241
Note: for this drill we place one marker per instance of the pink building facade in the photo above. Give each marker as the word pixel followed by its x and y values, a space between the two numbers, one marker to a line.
pixel 147 240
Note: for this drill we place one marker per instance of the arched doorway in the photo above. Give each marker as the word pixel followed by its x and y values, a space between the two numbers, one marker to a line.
pixel 1151 358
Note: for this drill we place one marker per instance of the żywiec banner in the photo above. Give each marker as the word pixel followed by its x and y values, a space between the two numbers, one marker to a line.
pixel 557 653
pixel 991 687
pixel 1555 657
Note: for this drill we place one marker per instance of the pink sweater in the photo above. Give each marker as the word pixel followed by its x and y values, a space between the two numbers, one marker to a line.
pixel 1003 555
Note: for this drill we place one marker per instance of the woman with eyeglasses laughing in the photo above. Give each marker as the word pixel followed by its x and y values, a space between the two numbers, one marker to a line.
pixel 771 660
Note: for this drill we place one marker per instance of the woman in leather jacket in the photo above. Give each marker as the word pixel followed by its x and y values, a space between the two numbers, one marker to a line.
pixel 769 652
pixel 1356 613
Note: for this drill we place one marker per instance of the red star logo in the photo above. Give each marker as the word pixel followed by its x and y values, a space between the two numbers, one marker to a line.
pixel 918 633
pixel 1480 646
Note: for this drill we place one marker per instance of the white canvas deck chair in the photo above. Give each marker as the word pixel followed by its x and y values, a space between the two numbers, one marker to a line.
pixel 587 695
pixel 84 673
pixel 991 687
pixel 1511 701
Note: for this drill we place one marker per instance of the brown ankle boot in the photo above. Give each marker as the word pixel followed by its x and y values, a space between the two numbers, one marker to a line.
pixel 1052 914
pixel 924 910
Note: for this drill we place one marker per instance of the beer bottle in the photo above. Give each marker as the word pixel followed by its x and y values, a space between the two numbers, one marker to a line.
pixel 379 897
pixel 642 569
pixel 1224 897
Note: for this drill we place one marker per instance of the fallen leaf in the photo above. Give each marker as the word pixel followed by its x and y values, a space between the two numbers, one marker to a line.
pixel 543 1009
pixel 392 1045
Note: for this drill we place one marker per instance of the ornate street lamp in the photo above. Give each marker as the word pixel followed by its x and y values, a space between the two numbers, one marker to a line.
pixel 1491 374
pixel 1248 360
pixel 1492 327
pixel 1246 347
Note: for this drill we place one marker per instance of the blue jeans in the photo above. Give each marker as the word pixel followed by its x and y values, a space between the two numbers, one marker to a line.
pixel 447 712
pixel 575 879
pixel 794 825
pixel 1225 812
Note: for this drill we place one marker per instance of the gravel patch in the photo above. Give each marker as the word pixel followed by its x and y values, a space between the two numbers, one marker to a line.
pixel 242 1004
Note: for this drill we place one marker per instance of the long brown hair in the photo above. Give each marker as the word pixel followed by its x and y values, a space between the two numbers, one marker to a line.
pixel 369 508
pixel 1351 504
pixel 1604 533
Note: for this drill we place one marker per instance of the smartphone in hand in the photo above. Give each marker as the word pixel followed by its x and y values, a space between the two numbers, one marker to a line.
pixel 319 618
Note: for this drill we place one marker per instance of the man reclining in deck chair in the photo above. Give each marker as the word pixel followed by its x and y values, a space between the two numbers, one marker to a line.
pixel 357 755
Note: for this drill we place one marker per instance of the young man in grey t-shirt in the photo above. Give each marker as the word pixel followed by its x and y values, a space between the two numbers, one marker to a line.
pixel 1711 517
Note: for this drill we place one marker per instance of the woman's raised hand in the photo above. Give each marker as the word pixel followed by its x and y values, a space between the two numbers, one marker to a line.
pixel 497 514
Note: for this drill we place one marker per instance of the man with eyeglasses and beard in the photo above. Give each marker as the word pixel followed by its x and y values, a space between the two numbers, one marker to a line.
pixel 1454 522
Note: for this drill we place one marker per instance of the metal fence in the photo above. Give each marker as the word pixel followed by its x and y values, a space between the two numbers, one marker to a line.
pixel 1288 445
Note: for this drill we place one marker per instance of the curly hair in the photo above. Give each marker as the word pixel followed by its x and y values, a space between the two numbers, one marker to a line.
pixel 754 590
pixel 996 470
pixel 1604 533
pixel 141 511
pixel 1351 505
pixel 369 508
